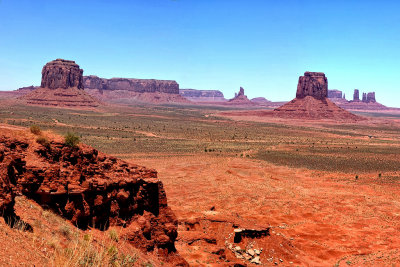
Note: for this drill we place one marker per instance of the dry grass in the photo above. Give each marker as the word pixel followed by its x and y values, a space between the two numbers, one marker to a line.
pixel 59 243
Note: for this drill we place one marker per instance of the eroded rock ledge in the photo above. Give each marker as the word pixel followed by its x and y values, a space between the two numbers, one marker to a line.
pixel 90 189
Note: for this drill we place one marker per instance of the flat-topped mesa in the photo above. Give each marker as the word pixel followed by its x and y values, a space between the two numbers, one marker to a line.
pixel 129 84
pixel 334 93
pixel 61 73
pixel 192 93
pixel 313 84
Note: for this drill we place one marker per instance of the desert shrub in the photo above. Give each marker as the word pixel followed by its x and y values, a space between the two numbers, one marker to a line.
pixel 35 129
pixel 65 231
pixel 43 141
pixel 71 140
pixel 114 235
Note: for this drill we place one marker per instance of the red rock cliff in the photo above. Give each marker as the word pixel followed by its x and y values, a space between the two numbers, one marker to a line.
pixel 90 189
pixel 313 84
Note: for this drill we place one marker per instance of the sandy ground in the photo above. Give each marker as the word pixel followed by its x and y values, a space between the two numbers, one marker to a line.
pixel 315 218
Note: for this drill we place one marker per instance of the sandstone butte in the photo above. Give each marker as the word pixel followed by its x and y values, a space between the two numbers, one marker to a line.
pixel 88 188
pixel 312 101
pixel 62 85
pixel 240 99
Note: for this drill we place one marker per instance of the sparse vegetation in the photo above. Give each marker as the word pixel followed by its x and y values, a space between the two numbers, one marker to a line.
pixel 43 141
pixel 177 129
pixel 114 235
pixel 35 129
pixel 71 139
pixel 69 246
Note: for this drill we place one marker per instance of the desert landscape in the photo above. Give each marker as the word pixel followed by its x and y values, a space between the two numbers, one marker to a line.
pixel 105 162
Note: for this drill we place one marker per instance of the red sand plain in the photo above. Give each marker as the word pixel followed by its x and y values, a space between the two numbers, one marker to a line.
pixel 316 218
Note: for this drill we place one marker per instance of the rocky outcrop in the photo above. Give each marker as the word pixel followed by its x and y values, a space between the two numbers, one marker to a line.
pixel 371 97
pixel 62 85
pixel 135 85
pixel 356 95
pixel 240 93
pixel 313 84
pixel 368 102
pixel 90 189
pixel 240 99
pixel 202 95
pixel 364 97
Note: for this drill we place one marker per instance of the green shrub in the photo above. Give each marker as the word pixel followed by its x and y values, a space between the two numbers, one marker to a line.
pixel 35 129
pixel 43 141
pixel 71 140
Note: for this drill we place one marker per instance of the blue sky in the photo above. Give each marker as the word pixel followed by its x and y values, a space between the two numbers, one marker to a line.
pixel 203 44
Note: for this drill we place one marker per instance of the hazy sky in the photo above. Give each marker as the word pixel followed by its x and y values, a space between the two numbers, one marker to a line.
pixel 209 44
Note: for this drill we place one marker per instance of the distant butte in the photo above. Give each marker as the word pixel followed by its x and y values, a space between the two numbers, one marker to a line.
pixel 62 85
pixel 312 101
pixel 240 99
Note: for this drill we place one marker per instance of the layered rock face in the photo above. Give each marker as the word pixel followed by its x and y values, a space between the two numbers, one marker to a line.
pixel 61 73
pixel 90 189
pixel 313 84
pixel 62 85
pixel 135 85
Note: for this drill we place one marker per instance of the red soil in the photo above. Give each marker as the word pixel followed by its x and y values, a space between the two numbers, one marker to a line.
pixel 315 218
